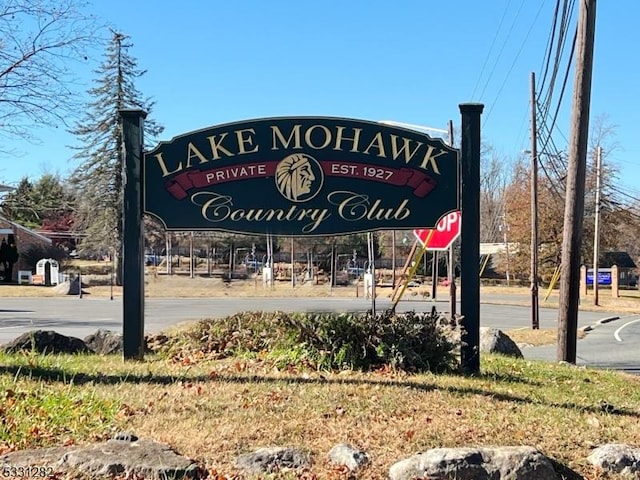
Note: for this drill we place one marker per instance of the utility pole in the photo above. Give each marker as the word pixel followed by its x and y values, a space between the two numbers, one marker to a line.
pixel 596 227
pixel 505 239
pixel 535 311
pixel 576 172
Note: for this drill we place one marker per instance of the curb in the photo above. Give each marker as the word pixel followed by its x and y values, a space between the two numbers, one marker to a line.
pixel 607 320
pixel 602 321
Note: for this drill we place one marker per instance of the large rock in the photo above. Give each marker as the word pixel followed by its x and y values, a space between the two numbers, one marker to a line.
pixel 104 342
pixel 616 457
pixel 521 463
pixel 125 459
pixel 347 455
pixel 272 459
pixel 493 340
pixel 69 287
pixel 46 341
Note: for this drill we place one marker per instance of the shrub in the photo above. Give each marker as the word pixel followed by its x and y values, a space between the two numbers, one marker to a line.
pixel 328 341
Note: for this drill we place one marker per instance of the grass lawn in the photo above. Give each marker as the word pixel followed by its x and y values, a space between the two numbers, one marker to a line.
pixel 214 410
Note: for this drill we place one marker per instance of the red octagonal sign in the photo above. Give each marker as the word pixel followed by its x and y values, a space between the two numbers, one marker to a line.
pixel 443 236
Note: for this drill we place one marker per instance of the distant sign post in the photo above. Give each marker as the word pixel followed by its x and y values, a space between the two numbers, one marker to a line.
pixel 443 236
pixel 604 277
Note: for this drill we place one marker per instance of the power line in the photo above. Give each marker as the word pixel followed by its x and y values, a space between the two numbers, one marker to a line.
pixel 550 42
pixel 504 44
pixel 567 13
pixel 493 42
pixel 562 91
pixel 513 63
pixel 560 52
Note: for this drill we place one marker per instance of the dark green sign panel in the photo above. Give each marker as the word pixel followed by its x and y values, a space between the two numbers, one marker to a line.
pixel 301 176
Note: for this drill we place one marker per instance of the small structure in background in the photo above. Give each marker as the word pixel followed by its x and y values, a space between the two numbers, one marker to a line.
pixel 23 239
pixel 625 268
pixel 47 272
pixel 615 270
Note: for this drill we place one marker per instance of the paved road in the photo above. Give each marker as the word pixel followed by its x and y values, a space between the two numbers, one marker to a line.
pixel 610 344
pixel 80 317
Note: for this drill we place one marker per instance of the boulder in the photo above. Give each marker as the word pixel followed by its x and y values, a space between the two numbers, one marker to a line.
pixel 69 287
pixel 46 341
pixel 104 342
pixel 493 340
pixel 273 459
pixel 123 458
pixel 523 463
pixel 617 458
pixel 345 454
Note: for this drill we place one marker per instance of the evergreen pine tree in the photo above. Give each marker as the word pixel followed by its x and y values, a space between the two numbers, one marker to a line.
pixel 33 204
pixel 98 176
pixel 17 205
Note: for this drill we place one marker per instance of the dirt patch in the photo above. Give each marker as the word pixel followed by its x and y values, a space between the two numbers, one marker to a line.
pixel 538 337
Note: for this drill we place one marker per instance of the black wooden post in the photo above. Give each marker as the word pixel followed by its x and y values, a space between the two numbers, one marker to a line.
pixel 470 233
pixel 132 235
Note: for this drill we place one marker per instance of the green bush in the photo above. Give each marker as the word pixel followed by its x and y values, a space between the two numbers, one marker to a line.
pixel 328 341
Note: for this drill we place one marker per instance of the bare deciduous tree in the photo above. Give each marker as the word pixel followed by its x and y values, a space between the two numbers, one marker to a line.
pixel 495 172
pixel 40 40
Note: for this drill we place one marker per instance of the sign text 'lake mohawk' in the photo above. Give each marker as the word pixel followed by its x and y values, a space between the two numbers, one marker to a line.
pixel 301 176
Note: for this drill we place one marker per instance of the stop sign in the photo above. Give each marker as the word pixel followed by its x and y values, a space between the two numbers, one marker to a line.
pixel 445 233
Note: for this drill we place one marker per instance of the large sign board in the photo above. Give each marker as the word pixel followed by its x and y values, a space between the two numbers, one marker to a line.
pixel 604 276
pixel 301 176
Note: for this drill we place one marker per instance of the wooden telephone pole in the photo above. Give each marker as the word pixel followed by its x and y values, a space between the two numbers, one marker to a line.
pixel 535 310
pixel 596 227
pixel 576 173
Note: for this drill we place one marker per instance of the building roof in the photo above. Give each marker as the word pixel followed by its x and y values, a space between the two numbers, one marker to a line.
pixel 621 259
pixel 16 226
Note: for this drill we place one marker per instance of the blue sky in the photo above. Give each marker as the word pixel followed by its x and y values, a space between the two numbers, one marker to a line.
pixel 410 61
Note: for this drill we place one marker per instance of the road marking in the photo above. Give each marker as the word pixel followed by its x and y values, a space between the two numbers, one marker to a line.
pixel 616 334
